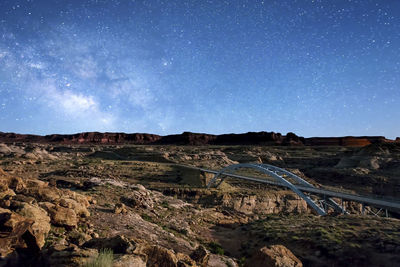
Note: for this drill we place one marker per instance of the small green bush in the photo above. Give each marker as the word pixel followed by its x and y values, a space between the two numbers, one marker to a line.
pixel 216 248
pixel 242 260
pixel 104 259
pixel 147 217
pixel 165 204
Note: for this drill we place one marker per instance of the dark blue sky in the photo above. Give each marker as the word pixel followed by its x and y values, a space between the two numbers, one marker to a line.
pixel 317 68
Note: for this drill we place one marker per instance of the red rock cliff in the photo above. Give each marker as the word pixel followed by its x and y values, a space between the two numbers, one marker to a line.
pixel 188 138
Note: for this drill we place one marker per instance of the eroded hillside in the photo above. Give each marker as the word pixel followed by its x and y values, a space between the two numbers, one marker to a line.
pixel 62 205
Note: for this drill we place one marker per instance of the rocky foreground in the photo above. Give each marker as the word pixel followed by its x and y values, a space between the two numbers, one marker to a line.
pixel 87 205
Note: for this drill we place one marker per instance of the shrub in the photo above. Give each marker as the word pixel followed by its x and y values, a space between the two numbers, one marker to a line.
pixel 216 248
pixel 165 204
pixel 147 217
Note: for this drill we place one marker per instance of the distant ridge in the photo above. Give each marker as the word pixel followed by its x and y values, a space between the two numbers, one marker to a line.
pixel 189 138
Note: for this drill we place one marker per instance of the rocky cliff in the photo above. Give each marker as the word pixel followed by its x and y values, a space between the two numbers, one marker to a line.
pixel 83 138
pixel 188 138
pixel 345 141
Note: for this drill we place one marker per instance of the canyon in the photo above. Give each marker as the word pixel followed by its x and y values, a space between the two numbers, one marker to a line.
pixel 75 200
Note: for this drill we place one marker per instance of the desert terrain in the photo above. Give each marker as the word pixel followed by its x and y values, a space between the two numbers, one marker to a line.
pixel 123 204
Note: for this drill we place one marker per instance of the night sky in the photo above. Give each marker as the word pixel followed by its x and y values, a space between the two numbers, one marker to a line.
pixel 316 68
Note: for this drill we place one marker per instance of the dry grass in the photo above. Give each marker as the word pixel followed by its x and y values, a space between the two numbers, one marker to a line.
pixel 104 259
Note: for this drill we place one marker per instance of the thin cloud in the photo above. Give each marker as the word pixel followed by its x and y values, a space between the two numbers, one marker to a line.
pixel 83 88
pixel 83 109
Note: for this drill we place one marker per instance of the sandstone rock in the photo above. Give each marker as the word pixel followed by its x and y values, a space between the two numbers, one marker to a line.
pixel 95 235
pixel 118 244
pixel 48 194
pixel 7 193
pixel 373 157
pixel 60 244
pixel 23 198
pixel 16 233
pixel 3 185
pixel 188 138
pixel 268 156
pixel 244 158
pixel 120 208
pixel 66 203
pixel 47 206
pixel 16 184
pixel 41 225
pixel 201 256
pixel 360 171
pixel 137 199
pixel 274 256
pixel 371 163
pixel 78 238
pixel 35 183
pixel 140 187
pixel 159 257
pixel 30 155
pixel 63 216
pixel 206 177
pixel 7 181
pixel 220 261
pixel 130 261
pixel 185 261
pixel 266 204
pixel 4 149
pixel 81 199
pixel 341 141
pixel 80 209
pixel 5 203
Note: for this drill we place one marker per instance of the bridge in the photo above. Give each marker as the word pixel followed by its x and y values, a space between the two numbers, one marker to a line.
pixel 319 199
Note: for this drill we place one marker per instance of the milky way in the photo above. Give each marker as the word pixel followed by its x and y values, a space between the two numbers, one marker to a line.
pixel 317 68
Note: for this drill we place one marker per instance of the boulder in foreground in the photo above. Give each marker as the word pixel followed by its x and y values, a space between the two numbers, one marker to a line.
pixel 274 256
